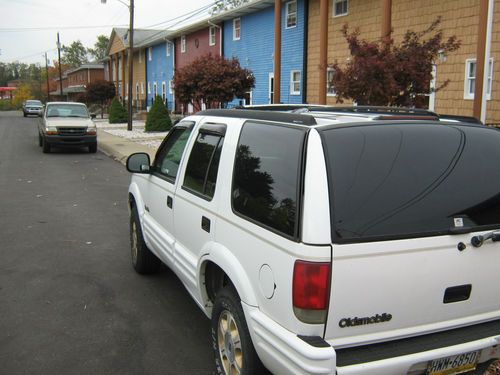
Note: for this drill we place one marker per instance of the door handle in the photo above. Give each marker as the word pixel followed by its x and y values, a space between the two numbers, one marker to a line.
pixel 457 293
pixel 205 224
pixel 170 201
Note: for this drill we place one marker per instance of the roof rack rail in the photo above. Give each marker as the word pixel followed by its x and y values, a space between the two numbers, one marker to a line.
pixel 261 115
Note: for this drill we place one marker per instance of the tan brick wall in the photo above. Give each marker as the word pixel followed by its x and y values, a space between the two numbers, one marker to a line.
pixel 459 17
pixel 140 73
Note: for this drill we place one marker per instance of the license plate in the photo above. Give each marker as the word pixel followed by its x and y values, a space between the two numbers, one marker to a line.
pixel 456 364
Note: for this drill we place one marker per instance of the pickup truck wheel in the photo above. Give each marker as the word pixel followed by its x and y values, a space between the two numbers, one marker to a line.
pixel 93 148
pixel 45 146
pixel 143 260
pixel 233 349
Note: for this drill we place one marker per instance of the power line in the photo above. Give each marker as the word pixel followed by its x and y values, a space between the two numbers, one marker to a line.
pixel 24 29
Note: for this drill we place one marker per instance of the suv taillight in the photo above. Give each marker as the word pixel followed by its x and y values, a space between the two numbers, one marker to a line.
pixel 311 289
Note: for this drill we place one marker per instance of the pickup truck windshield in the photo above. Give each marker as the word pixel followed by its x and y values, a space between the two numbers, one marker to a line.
pixel 393 181
pixel 67 110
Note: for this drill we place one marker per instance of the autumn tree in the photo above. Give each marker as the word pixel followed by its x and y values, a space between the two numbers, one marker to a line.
pixel 383 73
pixel 212 80
pixel 100 92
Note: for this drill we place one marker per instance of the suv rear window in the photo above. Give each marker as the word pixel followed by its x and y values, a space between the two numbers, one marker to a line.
pixel 398 181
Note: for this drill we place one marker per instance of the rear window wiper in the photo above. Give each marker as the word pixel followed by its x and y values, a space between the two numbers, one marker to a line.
pixel 478 240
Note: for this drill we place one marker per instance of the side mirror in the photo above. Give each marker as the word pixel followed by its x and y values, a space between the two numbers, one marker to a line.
pixel 93 116
pixel 138 163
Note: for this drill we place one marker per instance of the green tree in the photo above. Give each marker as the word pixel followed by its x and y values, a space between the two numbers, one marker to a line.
pixel 74 55
pixel 223 5
pixel 100 92
pixel 382 73
pixel 158 117
pixel 117 114
pixel 98 53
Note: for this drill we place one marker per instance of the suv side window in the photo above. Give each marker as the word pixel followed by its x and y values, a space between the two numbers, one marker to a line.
pixel 266 179
pixel 169 157
pixel 203 163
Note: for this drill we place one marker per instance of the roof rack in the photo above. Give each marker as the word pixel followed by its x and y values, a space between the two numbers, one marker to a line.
pixel 261 115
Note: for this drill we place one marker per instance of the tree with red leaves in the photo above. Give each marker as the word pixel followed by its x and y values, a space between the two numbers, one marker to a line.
pixel 382 73
pixel 212 80
pixel 100 92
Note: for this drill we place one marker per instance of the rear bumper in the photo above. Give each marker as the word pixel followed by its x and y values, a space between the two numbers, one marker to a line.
pixel 70 141
pixel 283 352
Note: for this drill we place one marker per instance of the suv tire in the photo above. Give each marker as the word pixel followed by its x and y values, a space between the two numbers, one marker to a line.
pixel 40 140
pixel 143 260
pixel 233 348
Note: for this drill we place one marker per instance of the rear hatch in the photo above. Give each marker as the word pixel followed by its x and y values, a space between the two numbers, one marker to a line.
pixel 407 202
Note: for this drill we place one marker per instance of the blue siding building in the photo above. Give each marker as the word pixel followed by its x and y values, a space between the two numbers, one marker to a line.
pixel 249 36
pixel 160 70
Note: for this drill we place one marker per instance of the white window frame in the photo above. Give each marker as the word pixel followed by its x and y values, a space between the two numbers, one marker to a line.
pixel 212 36
pixel 150 53
pixel 290 15
pixel 236 31
pixel 167 49
pixel 183 44
pixel 137 91
pixel 142 88
pixel 330 91
pixel 170 87
pixel 293 82
pixel 335 2
pixel 469 85
pixel 149 88
pixel 155 90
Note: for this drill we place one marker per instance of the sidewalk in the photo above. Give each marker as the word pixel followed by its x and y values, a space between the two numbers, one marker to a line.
pixel 117 142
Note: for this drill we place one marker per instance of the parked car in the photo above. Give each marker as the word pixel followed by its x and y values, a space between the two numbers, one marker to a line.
pixel 67 124
pixel 327 246
pixel 32 107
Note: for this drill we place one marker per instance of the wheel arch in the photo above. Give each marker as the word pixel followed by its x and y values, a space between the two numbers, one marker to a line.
pixel 218 268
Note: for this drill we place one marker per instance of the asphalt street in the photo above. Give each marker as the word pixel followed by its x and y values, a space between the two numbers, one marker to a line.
pixel 70 302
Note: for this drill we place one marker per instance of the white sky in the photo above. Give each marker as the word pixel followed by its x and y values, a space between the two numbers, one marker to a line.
pixel 47 17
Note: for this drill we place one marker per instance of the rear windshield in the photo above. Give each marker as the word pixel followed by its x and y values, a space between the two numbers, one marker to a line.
pixel 33 102
pixel 397 181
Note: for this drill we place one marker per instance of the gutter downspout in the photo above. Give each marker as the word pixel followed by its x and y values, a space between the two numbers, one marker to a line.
pixel 173 69
pixel 220 42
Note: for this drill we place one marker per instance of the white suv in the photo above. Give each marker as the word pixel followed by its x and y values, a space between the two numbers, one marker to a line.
pixel 340 248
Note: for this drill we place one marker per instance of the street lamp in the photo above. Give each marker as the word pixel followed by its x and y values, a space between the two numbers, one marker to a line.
pixel 130 58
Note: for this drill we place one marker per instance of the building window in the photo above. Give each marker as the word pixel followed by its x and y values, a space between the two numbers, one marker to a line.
pixel 470 79
pixel 295 77
pixel 155 91
pixel 137 91
pixel 142 88
pixel 340 7
pixel 236 29
pixel 167 48
pixel 163 91
pixel 150 53
pixel 183 43
pixel 211 35
pixel 149 88
pixel 170 87
pixel 330 91
pixel 291 14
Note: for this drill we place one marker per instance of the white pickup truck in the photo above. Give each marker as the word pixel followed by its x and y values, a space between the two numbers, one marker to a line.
pixel 328 246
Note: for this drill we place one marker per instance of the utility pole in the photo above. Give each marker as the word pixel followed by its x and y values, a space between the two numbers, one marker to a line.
pixel 59 63
pixel 130 64
pixel 47 70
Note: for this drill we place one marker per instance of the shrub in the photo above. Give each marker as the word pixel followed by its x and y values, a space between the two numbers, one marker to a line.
pixel 158 118
pixel 117 114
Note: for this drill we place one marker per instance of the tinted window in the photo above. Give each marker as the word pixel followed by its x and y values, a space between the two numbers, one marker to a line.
pixel 266 175
pixel 169 157
pixel 203 164
pixel 393 181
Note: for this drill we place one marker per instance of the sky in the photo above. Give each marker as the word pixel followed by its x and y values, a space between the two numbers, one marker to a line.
pixel 28 28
